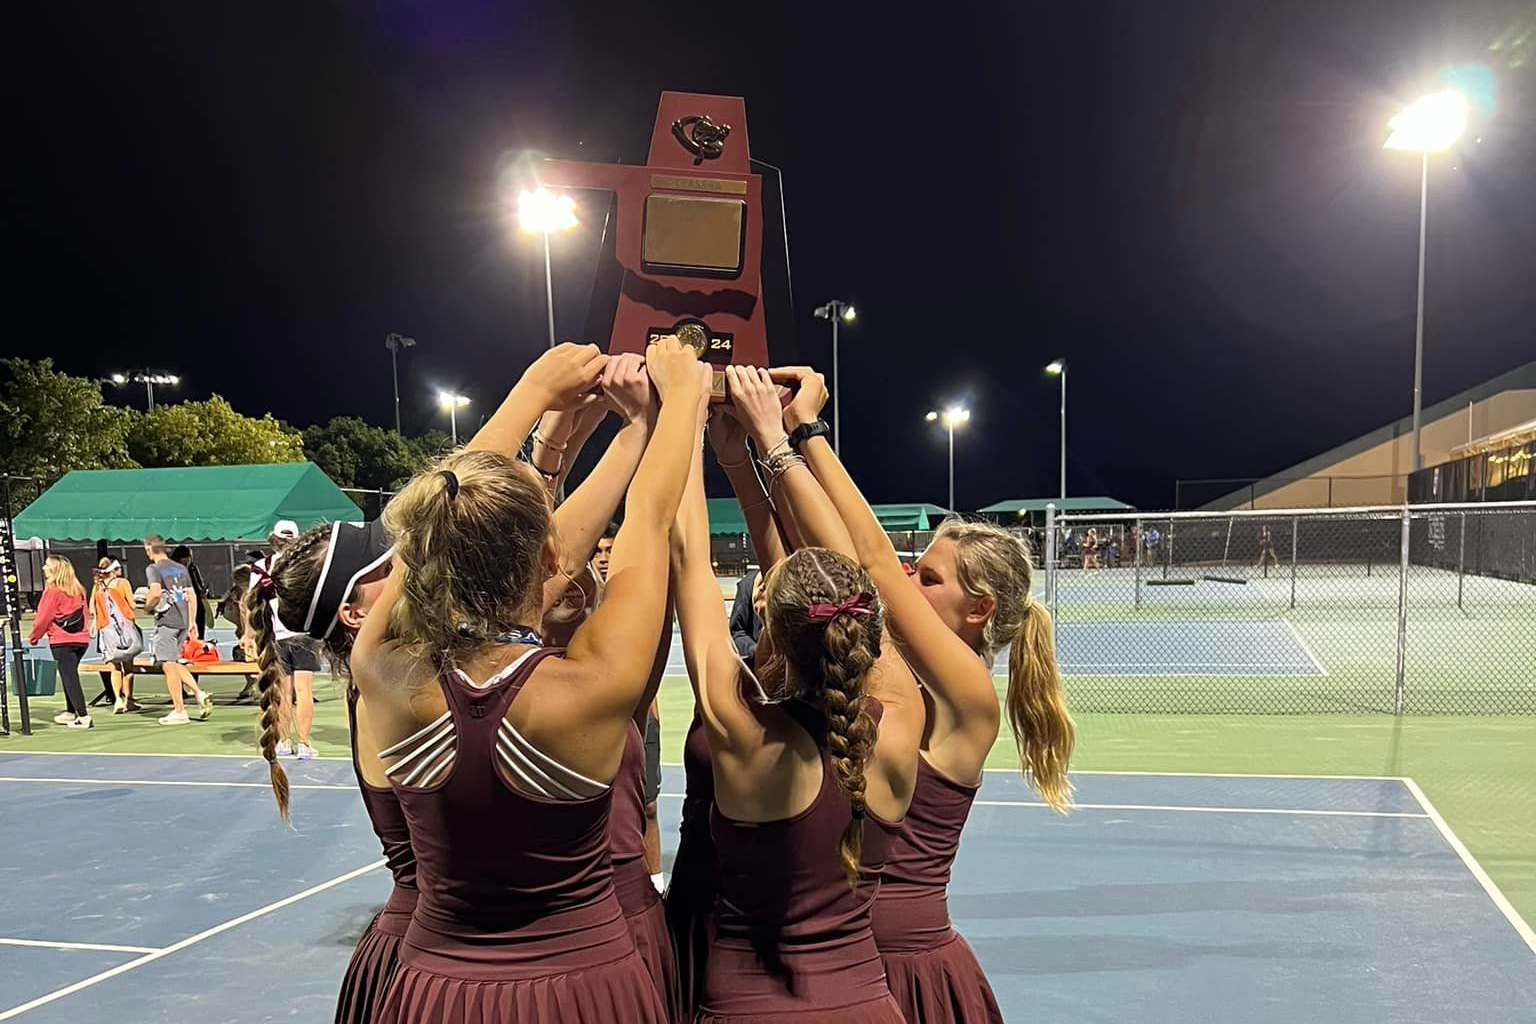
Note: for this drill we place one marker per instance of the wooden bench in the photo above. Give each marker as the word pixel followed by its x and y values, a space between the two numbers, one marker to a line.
pixel 248 669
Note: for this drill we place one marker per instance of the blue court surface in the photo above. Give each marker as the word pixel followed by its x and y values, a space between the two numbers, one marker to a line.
pixel 1156 647
pixel 142 888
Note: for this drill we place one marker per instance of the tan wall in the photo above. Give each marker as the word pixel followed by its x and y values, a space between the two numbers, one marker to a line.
pixel 1378 476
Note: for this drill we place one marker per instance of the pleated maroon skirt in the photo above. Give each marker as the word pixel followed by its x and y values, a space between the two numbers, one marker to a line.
pixel 690 906
pixel 649 930
pixel 374 961
pixel 943 985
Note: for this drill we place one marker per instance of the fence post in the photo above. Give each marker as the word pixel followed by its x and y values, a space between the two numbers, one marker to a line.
pixel 1136 559
pixel 1294 521
pixel 1050 557
pixel 1402 617
pixel 1168 561
pixel 1461 560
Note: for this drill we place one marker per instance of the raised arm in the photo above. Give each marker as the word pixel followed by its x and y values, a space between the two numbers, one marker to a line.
pixel 564 377
pixel 957 680
pixel 792 485
pixel 634 603
pixel 728 437
pixel 714 670
pixel 582 517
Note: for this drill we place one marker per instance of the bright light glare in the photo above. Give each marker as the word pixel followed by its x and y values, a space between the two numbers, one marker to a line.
pixel 956 415
pixel 173 379
pixel 118 378
pixel 849 313
pixel 1431 124
pixel 931 416
pixel 1055 368
pixel 546 212
pixel 448 399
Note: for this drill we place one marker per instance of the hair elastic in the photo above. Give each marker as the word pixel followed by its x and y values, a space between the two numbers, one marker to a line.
pixel 858 604
pixel 451 482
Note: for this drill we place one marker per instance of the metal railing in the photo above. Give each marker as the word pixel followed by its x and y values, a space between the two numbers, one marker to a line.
pixel 1408 609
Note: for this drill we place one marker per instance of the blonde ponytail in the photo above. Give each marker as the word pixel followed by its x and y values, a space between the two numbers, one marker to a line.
pixel 1037 707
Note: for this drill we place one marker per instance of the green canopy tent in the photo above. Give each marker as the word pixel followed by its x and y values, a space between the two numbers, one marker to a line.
pixel 907 517
pixel 186 504
pixel 1012 512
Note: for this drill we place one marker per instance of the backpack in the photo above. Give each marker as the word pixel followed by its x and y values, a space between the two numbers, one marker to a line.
pixel 120 639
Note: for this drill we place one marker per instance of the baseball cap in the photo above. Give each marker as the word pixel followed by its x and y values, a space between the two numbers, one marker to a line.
pixel 286 528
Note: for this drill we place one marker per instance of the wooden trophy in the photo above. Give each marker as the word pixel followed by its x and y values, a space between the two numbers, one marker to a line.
pixel 689 234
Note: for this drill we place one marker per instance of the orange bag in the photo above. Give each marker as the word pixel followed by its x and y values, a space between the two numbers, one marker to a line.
pixel 199 651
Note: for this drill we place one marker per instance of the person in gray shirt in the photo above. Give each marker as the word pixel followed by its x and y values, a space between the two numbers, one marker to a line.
pixel 174 604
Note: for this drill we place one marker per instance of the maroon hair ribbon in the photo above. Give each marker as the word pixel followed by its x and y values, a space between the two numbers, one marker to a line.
pixel 858 604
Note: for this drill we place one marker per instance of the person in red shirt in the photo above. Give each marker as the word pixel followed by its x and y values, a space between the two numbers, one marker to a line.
pixel 61 617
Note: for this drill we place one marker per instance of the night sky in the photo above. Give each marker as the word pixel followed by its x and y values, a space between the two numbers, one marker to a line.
pixel 1188 201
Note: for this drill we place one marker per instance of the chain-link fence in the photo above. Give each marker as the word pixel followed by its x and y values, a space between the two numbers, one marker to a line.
pixel 1413 609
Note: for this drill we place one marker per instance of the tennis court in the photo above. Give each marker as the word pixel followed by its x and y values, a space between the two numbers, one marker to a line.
pixel 1164 896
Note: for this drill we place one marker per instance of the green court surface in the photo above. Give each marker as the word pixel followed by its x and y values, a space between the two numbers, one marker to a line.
pixel 1478 771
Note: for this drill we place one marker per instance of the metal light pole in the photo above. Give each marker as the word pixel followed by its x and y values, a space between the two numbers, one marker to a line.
pixel 1059 369
pixel 396 342
pixel 835 311
pixel 952 418
pixel 452 402
pixel 544 211
pixel 1432 124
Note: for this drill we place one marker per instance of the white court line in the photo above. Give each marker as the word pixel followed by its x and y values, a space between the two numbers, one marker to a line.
pixel 190 940
pixel 1180 807
pixel 678 764
pixel 172 782
pixel 1494 893
pixel 1306 648
pixel 101 947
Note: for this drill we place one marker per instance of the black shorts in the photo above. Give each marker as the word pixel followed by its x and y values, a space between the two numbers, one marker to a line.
pixel 298 654
pixel 652 758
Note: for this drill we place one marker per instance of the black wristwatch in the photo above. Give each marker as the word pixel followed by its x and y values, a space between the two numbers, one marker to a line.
pixel 805 431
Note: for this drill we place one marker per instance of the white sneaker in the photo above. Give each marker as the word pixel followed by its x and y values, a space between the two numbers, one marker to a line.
pixel 305 752
pixel 120 706
pixel 175 718
pixel 284 748
pixel 204 705
pixel 63 718
pixel 83 722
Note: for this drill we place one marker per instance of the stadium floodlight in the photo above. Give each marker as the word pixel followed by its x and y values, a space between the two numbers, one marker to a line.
pixel 835 312
pixel 452 402
pixel 149 378
pixel 544 212
pixel 1058 368
pixel 952 417
pixel 1431 124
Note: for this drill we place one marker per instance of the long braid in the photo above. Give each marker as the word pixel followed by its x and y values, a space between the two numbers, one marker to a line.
pixel 845 662
pixel 258 617
pixel 831 660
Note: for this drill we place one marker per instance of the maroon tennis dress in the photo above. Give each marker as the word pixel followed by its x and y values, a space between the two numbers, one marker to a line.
pixel 517 920
pixel 931 970
pixel 638 897
pixel 373 962
pixel 695 877
pixel 792 941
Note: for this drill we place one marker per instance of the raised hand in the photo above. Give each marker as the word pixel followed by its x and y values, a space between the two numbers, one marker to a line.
pixel 756 398
pixel 567 376
pixel 727 436
pixel 627 387
pixel 669 361
pixel 810 394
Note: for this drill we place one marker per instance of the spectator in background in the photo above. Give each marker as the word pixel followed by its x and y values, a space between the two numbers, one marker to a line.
pixel 1132 545
pixel 205 611
pixel 604 550
pixel 1150 543
pixel 174 605
pixel 61 617
pixel 747 615
pixel 111 586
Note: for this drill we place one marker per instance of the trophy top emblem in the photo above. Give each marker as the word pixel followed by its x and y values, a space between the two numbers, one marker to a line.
pixel 701 136
pixel 695 337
